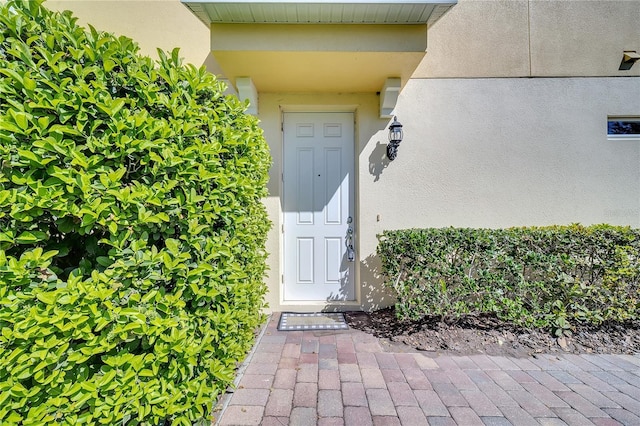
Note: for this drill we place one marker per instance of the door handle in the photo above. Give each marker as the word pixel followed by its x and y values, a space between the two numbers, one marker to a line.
pixel 351 253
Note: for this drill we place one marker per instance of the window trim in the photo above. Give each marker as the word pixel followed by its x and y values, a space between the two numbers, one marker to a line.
pixel 632 136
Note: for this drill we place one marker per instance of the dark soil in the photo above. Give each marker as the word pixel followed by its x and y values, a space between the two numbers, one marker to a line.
pixel 488 335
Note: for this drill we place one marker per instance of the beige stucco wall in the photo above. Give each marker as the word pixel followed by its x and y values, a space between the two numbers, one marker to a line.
pixel 163 24
pixel 583 38
pixel 493 138
pixel 506 152
pixel 318 57
pixel 477 153
pixel 542 38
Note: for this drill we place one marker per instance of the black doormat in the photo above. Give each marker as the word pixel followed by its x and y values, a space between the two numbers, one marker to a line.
pixel 290 321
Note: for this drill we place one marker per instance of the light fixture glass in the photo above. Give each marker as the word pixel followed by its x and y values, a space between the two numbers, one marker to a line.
pixel 395 137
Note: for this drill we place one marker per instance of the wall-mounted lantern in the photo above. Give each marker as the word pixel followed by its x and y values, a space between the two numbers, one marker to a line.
pixel 395 137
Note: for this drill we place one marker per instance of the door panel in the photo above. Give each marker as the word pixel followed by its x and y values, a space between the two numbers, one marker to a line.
pixel 318 200
pixel 305 187
pixel 305 261
pixel 333 167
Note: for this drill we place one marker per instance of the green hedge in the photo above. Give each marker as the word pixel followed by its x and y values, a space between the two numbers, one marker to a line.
pixel 132 231
pixel 549 277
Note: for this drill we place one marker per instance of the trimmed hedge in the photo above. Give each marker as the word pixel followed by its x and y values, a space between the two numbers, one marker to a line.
pixel 132 231
pixel 548 277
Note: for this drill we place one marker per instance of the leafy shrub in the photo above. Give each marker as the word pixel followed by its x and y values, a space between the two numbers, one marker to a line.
pixel 549 277
pixel 131 228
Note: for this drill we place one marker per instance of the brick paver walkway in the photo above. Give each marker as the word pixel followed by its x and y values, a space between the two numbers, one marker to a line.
pixel 347 378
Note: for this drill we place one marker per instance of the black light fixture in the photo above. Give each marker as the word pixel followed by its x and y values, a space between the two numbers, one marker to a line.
pixel 395 137
pixel 629 57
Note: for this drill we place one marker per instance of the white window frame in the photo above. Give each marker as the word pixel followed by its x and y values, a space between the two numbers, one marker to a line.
pixel 632 137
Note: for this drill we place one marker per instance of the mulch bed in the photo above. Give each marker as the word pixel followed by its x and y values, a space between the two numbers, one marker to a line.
pixel 489 335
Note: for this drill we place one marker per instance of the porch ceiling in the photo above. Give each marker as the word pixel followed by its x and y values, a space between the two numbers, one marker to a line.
pixel 319 12
pixel 321 46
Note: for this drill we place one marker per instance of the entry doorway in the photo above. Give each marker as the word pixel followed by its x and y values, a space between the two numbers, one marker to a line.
pixel 318 199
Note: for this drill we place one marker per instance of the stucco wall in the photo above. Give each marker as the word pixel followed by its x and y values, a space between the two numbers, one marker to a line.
pixel 522 38
pixel 477 153
pixel 508 152
pixel 164 24
pixel 502 152
pixel 493 137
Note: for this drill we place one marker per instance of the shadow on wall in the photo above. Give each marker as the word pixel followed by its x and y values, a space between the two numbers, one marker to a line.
pixel 346 291
pixel 378 160
pixel 374 294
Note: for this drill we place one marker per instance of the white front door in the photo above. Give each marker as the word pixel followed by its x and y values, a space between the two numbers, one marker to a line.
pixel 318 206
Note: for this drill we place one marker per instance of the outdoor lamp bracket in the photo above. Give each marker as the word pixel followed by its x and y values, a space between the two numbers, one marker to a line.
pixel 395 137
pixel 629 57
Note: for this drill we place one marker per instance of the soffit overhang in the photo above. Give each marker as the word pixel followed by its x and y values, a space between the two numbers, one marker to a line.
pixel 328 46
pixel 319 12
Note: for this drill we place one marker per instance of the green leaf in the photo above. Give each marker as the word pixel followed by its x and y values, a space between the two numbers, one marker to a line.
pixel 69 130
pixel 172 246
pixel 21 119
pixel 30 237
pixel 7 236
pixel 113 227
pixel 48 298
pixel 79 159
pixel 29 84
pixel 108 64
pixel 9 126
pixel 29 155
pixel 162 216
pixel 104 261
